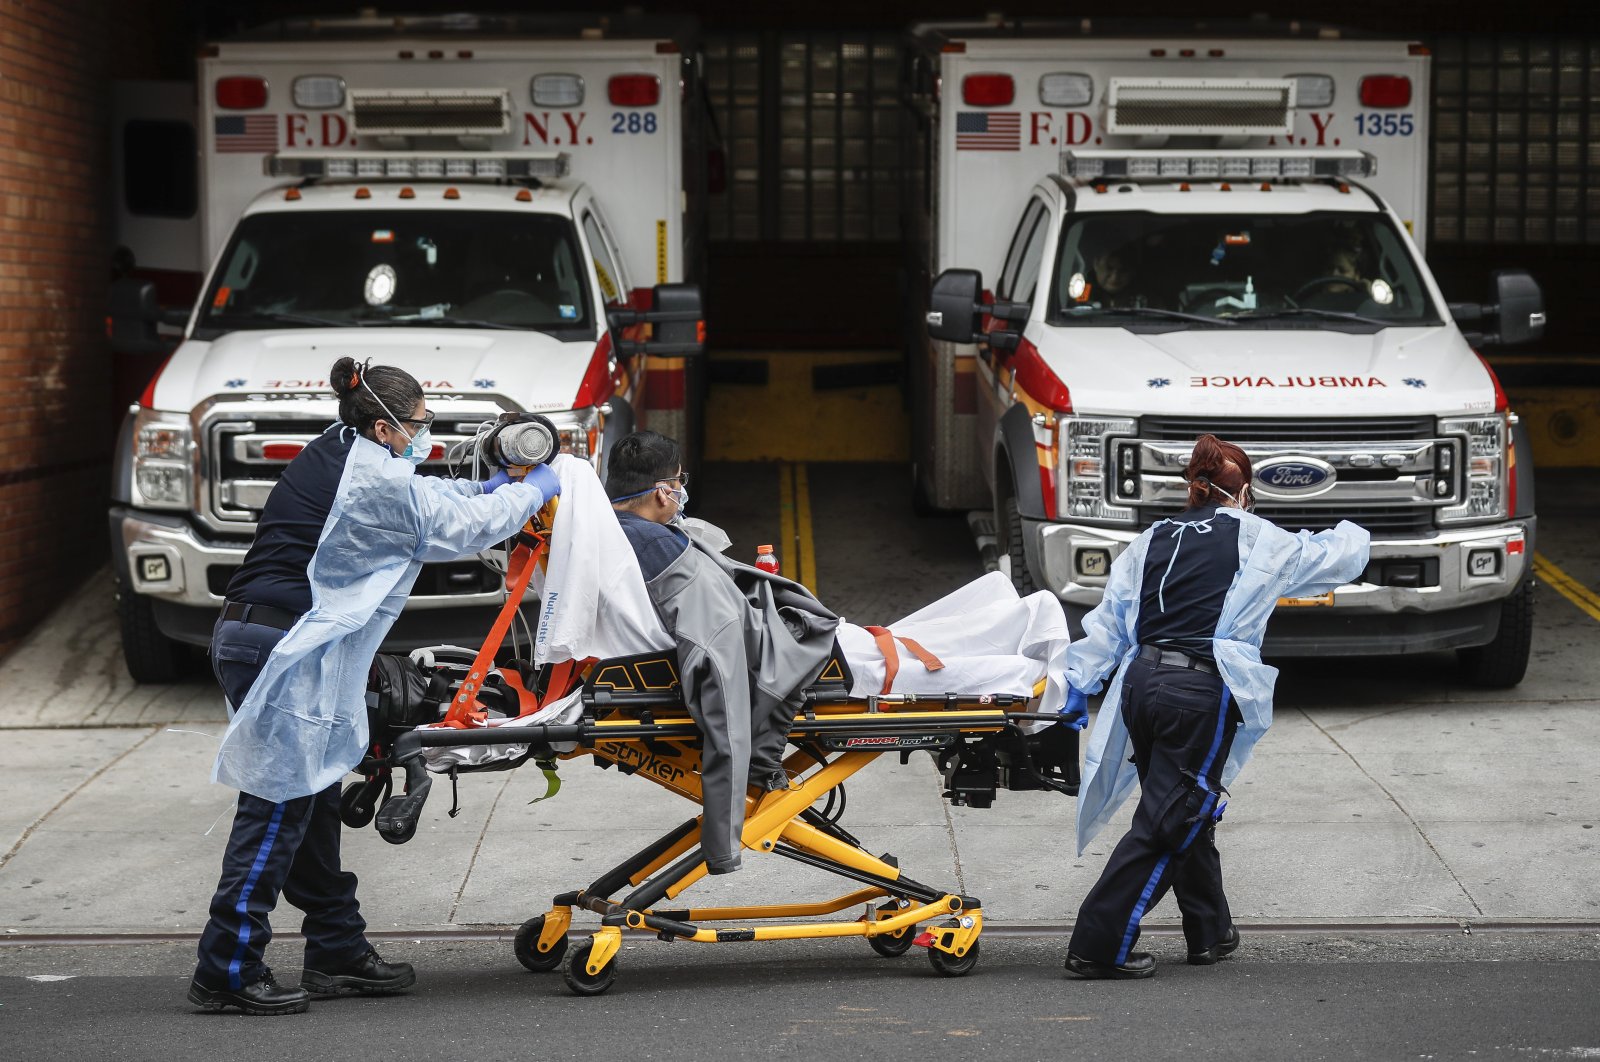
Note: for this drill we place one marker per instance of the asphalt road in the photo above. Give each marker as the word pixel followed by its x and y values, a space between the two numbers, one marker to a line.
pixel 1509 995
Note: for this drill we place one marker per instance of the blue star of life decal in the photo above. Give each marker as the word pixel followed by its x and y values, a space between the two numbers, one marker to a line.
pixel 235 382
pixel 1159 381
pixel 483 384
pixel 1412 381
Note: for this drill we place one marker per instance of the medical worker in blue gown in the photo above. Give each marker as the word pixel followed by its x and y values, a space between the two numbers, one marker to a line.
pixel 1181 625
pixel 338 546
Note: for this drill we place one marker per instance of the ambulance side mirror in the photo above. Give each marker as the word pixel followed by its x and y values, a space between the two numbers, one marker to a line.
pixel 678 319
pixel 134 317
pixel 1515 306
pixel 955 312
pixel 1518 306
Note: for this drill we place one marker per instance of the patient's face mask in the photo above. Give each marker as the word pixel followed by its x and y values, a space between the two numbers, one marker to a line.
pixel 677 494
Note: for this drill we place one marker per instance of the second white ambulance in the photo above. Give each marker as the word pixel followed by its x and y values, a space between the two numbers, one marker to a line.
pixel 1140 238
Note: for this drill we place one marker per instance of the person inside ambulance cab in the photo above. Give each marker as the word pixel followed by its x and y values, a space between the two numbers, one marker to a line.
pixel 1115 272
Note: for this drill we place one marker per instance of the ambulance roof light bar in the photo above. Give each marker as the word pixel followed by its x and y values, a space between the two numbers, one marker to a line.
pixel 420 165
pixel 1222 165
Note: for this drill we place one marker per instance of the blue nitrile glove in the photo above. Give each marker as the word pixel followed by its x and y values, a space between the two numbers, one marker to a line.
pixel 496 481
pixel 1075 713
pixel 544 478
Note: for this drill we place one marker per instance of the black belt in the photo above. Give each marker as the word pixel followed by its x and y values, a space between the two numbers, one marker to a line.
pixel 1172 658
pixel 265 615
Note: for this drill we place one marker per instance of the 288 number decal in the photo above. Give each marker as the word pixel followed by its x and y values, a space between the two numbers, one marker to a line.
pixel 634 122
pixel 1385 124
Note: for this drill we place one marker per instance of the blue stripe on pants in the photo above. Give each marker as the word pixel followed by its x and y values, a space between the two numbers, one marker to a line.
pixel 242 907
pixel 1131 933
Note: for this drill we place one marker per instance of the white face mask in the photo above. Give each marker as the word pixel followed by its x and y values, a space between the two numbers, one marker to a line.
pixel 679 495
pixel 418 446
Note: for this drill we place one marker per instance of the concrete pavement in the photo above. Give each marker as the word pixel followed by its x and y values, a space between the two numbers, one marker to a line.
pixel 1386 791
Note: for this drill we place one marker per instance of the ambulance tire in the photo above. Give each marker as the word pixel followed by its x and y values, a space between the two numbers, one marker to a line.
pixel 947 965
pixel 583 983
pixel 1010 528
pixel 1502 663
pixel 526 947
pixel 150 655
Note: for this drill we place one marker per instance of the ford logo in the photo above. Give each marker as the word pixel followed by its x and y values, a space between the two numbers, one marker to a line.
pixel 1293 477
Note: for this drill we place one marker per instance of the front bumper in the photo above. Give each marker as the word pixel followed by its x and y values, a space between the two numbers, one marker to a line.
pixel 160 556
pixel 1477 568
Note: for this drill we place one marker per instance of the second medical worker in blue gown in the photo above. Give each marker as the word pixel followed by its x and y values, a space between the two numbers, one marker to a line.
pixel 1181 624
pixel 339 545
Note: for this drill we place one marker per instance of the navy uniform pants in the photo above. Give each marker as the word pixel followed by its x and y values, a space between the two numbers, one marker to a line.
pixel 289 849
pixel 1181 723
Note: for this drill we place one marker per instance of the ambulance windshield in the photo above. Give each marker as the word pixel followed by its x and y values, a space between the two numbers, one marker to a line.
pixel 398 268
pixel 1160 271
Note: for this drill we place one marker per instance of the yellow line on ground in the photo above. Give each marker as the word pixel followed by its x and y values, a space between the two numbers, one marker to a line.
pixel 788 559
pixel 1566 585
pixel 807 551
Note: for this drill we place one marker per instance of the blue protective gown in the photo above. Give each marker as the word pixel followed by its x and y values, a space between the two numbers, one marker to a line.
pixel 304 724
pixel 1272 563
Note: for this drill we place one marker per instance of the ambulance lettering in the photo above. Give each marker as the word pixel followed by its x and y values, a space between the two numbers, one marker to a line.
pixel 319 385
pixel 1286 381
pixel 316 131
pixel 1068 129
pixel 538 128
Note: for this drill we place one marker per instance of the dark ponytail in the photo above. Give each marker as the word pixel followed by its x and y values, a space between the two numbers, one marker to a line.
pixel 355 386
pixel 1215 464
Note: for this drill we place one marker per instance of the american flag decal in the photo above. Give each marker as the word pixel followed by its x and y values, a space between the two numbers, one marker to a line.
pixel 989 131
pixel 250 133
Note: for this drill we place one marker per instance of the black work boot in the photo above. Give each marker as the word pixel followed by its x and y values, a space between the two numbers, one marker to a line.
pixel 264 997
pixel 368 975
pixel 1218 951
pixel 1139 964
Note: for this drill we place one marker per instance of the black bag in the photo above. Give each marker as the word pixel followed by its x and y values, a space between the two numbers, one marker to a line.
pixel 401 696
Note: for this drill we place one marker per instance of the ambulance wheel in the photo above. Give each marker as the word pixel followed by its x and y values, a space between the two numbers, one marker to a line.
pixel 893 945
pixel 583 983
pixel 1502 663
pixel 526 947
pixel 948 965
pixel 150 655
pixel 1009 527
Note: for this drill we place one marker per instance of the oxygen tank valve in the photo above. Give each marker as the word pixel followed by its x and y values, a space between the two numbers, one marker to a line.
pixel 522 440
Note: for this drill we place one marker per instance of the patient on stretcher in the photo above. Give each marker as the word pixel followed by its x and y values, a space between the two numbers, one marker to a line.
pixel 627 575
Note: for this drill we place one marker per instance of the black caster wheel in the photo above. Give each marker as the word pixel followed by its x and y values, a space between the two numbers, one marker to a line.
pixel 526 947
pixel 358 804
pixel 948 965
pixel 893 945
pixel 580 981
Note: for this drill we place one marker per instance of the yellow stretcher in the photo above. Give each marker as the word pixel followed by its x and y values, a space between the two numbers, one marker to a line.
pixel 634 719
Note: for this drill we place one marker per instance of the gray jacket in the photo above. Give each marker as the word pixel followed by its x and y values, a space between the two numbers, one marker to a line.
pixel 748 643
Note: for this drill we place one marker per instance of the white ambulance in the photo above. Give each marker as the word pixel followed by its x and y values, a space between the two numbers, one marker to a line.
pixel 1141 238
pixel 509 209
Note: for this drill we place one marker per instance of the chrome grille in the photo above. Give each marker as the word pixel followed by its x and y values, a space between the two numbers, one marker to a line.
pixel 1388 520
pixel 1288 430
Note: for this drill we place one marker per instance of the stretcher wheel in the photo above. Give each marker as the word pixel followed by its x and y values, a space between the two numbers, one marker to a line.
pixel 526 947
pixel 953 965
pixel 578 977
pixel 893 945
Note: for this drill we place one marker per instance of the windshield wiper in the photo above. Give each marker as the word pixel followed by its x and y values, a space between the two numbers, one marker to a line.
pixel 290 318
pixel 1311 311
pixel 451 322
pixel 1152 311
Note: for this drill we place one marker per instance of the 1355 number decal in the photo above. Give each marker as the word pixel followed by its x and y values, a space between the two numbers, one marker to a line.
pixel 634 122
pixel 1385 124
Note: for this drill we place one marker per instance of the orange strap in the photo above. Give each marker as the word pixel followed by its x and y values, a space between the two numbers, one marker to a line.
pixel 465 710
pixel 891 656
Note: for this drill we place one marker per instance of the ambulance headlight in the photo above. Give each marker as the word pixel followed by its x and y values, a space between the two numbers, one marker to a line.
pixel 1066 90
pixel 579 430
pixel 318 92
pixel 163 445
pixel 1082 469
pixel 1486 468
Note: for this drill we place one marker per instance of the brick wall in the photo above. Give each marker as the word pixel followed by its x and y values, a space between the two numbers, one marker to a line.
pixel 56 424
